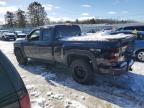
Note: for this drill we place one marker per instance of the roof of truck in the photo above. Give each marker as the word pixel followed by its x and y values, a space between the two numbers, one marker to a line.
pixel 55 25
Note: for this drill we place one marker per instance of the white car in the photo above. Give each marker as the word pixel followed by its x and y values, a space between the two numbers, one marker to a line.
pixel 1 33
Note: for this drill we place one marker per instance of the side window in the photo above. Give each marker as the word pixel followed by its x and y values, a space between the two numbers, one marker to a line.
pixel 129 28
pixel 35 35
pixel 47 34
pixel 119 29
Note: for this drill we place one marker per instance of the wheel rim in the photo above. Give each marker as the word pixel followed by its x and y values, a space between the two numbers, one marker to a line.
pixel 141 56
pixel 80 72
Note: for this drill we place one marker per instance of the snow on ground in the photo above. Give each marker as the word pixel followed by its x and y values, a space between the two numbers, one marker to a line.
pixel 52 86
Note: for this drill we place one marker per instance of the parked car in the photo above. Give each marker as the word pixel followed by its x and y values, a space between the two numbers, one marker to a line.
pixel 20 34
pixel 131 28
pixel 1 32
pixel 13 93
pixel 83 55
pixel 139 43
pixel 8 36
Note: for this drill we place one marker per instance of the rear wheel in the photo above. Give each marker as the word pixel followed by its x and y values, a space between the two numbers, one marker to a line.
pixel 82 71
pixel 20 57
pixel 140 55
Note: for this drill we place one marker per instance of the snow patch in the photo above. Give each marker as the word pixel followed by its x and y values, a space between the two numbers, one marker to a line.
pixel 38 103
pixel 101 36
pixel 47 75
pixel 35 94
pixel 55 96
pixel 73 104
pixel 30 87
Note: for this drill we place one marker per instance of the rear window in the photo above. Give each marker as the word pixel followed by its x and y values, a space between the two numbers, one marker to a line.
pixel 67 31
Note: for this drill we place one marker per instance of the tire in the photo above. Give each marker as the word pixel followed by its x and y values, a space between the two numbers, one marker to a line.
pixel 20 57
pixel 82 71
pixel 140 55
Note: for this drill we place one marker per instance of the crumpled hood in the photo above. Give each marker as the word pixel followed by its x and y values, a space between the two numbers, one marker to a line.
pixel 96 37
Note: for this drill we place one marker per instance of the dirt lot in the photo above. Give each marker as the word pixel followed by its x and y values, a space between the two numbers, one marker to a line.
pixel 53 87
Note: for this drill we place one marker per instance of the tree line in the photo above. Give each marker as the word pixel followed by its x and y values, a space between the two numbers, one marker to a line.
pixel 36 16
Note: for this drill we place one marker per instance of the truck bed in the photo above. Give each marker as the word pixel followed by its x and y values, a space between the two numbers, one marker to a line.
pixel 99 40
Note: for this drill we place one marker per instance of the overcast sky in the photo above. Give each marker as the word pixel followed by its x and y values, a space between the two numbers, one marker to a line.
pixel 81 9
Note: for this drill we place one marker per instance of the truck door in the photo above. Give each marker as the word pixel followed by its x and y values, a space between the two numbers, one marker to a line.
pixel 30 46
pixel 45 45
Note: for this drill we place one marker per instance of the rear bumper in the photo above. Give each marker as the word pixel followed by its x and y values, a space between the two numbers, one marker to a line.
pixel 116 70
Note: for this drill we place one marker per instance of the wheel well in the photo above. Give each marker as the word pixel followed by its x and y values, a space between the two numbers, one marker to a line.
pixel 74 57
pixel 16 48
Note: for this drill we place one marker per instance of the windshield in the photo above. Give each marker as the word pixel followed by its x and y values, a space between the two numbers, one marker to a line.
pixel 67 31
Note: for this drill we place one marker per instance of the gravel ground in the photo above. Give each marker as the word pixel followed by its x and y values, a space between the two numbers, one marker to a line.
pixel 53 87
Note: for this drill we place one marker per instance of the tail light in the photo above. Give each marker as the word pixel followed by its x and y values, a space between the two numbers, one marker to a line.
pixel 115 54
pixel 25 102
pixel 114 50
pixel 116 59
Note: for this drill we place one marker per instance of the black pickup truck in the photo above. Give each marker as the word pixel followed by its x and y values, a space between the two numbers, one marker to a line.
pixel 83 55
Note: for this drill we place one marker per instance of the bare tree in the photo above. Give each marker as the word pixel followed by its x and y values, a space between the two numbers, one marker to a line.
pixel 20 18
pixel 10 19
pixel 37 14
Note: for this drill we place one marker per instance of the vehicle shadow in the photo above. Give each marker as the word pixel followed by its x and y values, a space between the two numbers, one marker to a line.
pixel 119 90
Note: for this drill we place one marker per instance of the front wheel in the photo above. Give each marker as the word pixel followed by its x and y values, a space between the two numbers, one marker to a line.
pixel 82 71
pixel 20 57
pixel 140 55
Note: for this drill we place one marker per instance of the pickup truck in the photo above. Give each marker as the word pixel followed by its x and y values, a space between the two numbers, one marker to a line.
pixel 83 55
